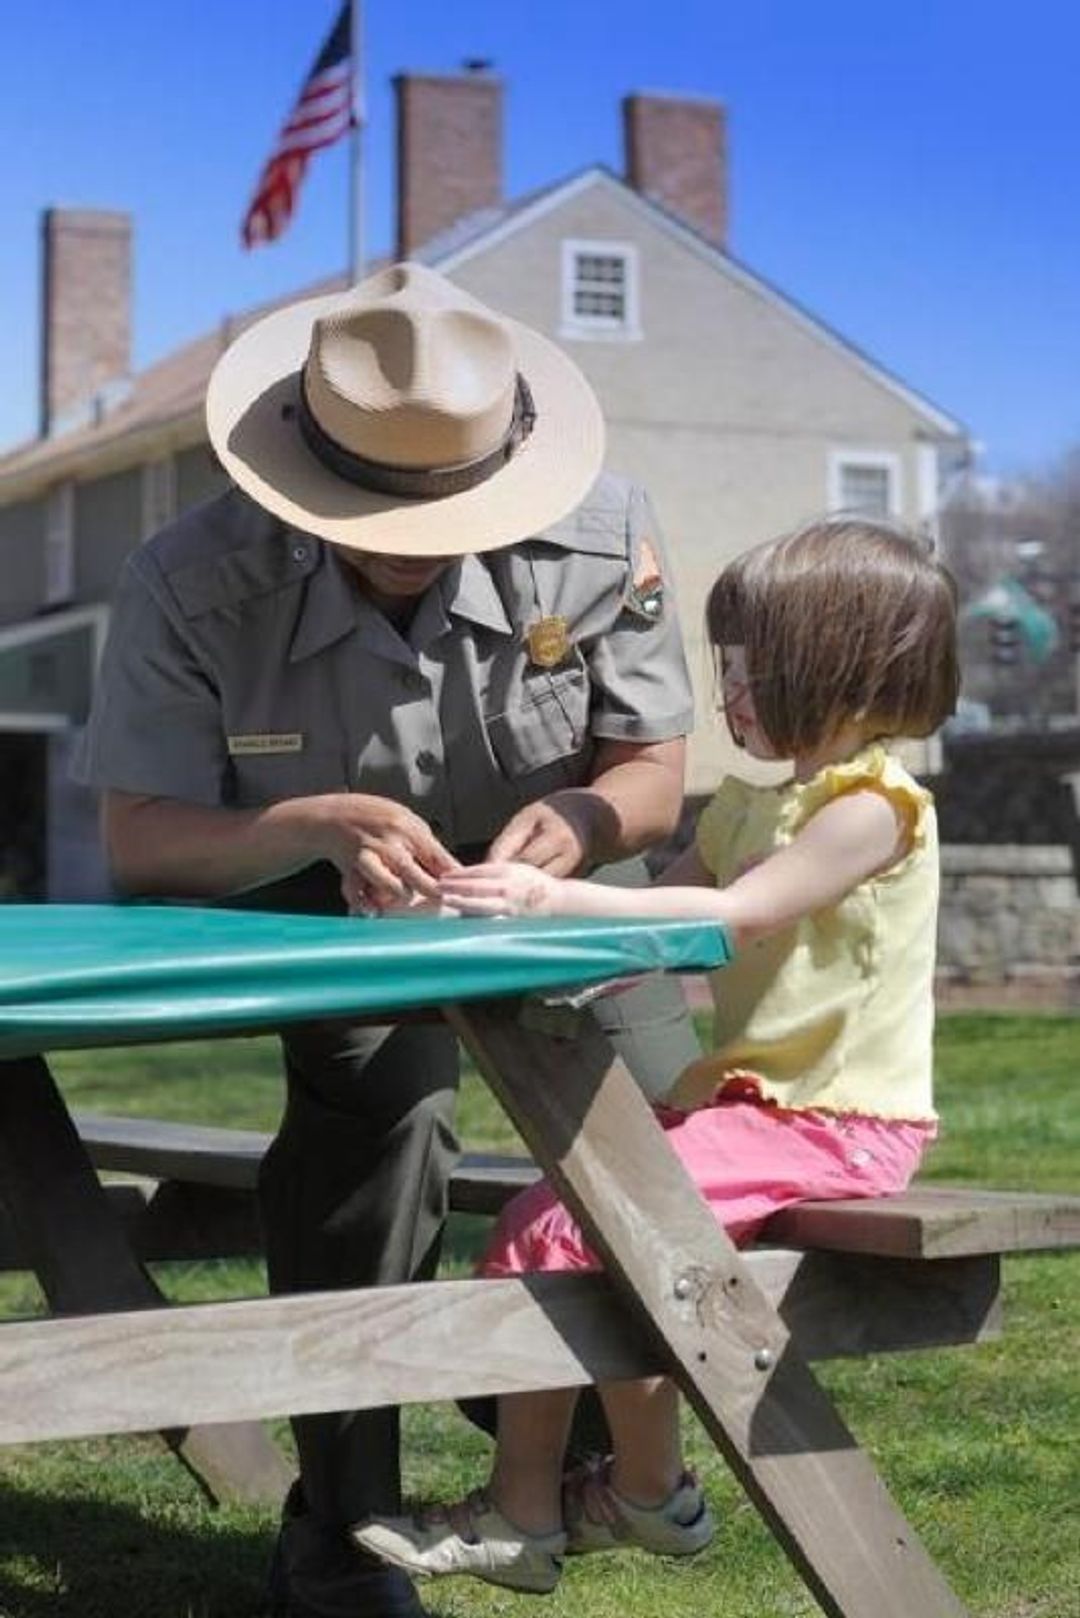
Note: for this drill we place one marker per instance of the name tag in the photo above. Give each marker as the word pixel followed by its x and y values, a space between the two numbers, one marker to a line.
pixel 269 742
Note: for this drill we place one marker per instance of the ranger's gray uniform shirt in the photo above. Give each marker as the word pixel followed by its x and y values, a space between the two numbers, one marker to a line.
pixel 244 666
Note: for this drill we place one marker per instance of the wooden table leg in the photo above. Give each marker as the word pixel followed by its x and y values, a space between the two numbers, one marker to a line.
pixel 85 1265
pixel 589 1126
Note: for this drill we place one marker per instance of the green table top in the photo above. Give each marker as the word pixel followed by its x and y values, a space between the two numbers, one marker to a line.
pixel 81 975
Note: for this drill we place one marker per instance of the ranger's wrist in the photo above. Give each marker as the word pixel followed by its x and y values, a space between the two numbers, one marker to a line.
pixel 592 821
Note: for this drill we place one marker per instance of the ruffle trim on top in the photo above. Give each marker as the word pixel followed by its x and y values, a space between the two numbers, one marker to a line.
pixel 872 768
pixel 709 1082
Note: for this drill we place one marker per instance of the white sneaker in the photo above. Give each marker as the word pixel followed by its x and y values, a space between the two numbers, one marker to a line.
pixel 471 1536
pixel 599 1519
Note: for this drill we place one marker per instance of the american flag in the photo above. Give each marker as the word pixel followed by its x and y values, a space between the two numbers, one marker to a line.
pixel 322 113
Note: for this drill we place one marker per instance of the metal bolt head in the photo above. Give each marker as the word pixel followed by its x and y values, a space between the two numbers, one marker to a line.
pixel 683 1287
pixel 763 1359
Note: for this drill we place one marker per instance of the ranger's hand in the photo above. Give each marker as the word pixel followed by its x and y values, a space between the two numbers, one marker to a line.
pixel 554 834
pixel 385 853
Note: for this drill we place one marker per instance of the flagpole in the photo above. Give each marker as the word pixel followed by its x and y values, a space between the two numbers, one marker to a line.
pixel 356 161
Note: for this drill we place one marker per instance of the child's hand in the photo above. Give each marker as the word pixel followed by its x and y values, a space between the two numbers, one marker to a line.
pixel 417 904
pixel 500 889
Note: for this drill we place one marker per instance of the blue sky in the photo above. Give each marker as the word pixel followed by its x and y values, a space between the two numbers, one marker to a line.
pixel 908 172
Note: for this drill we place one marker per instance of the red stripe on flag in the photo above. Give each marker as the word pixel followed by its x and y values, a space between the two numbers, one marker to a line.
pixel 319 117
pixel 315 119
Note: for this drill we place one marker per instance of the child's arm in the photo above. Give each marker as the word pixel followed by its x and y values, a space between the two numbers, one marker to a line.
pixel 853 837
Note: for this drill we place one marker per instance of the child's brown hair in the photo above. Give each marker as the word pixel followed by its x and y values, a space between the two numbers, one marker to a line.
pixel 846 619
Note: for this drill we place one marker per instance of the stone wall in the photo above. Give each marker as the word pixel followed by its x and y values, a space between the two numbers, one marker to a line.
pixel 1010 835
pixel 1009 928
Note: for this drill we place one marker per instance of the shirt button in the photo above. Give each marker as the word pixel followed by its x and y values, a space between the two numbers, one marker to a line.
pixel 299 554
pixel 427 762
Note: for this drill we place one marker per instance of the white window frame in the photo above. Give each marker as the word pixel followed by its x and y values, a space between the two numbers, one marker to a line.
pixel 928 486
pixel 879 460
pixel 158 494
pixel 59 552
pixel 95 617
pixel 603 328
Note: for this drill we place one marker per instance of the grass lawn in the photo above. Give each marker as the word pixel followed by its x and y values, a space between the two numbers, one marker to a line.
pixel 979 1445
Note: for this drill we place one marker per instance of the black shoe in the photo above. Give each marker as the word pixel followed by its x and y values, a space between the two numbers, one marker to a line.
pixel 378 1592
pixel 316 1573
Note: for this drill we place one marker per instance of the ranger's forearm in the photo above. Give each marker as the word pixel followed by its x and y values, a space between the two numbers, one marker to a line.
pixel 163 846
pixel 637 794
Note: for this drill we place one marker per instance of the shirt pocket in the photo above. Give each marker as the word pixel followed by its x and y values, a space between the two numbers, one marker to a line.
pixel 257 779
pixel 547 729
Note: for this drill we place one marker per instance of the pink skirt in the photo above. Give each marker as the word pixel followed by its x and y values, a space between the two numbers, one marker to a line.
pixel 748 1159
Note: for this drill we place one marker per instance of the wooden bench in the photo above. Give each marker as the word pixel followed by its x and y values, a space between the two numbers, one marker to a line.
pixel 928 1221
pixel 195 1154
pixel 913 1271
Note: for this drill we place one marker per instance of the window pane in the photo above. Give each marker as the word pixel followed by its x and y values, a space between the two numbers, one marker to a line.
pixel 600 287
pixel 605 305
pixel 591 267
pixel 865 488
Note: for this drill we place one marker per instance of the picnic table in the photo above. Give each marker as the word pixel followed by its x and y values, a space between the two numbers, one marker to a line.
pixel 676 1294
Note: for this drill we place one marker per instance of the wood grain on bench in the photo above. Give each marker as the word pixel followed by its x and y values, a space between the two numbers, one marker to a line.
pixel 933 1221
pixel 925 1222
pixel 229 1158
pixel 447 1339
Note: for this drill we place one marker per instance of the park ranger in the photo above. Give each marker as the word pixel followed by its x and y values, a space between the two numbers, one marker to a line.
pixel 423 627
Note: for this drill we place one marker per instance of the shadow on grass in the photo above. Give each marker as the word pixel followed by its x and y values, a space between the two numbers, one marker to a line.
pixel 95 1559
pixel 65 1558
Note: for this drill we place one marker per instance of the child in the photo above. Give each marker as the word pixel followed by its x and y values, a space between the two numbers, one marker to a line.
pixel 830 642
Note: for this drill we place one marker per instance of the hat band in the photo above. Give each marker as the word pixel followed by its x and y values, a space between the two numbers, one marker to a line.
pixel 410 482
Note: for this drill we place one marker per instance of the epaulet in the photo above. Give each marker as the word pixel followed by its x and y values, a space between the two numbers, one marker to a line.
pixel 229 551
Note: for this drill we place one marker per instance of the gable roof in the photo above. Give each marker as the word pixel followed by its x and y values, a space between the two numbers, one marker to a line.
pixel 165 401
pixel 488 233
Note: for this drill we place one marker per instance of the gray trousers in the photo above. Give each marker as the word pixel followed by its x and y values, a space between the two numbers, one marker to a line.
pixel 353 1190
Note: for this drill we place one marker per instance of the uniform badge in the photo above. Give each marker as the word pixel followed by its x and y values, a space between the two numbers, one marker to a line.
pixel 646 594
pixel 548 642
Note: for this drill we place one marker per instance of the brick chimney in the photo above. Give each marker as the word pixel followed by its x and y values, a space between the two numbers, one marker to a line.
pixel 86 312
pixel 449 150
pixel 676 154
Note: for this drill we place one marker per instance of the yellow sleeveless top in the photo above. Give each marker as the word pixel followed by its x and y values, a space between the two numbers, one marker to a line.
pixel 835 1012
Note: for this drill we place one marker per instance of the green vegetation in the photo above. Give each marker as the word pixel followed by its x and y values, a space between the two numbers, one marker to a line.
pixel 978 1445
